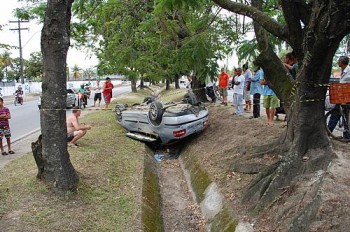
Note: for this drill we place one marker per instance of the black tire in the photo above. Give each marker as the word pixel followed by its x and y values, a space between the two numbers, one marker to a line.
pixel 191 98
pixel 149 99
pixel 155 113
pixel 337 133
pixel 118 111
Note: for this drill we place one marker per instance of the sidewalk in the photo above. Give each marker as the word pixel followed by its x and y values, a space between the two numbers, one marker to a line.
pixel 21 147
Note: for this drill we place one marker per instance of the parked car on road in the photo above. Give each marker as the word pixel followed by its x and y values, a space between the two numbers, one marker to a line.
pixel 154 121
pixel 70 102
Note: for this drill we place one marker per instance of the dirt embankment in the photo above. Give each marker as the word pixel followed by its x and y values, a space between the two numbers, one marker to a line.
pixel 222 150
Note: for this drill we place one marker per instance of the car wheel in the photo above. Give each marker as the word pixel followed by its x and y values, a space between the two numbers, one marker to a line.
pixel 191 98
pixel 118 111
pixel 149 99
pixel 155 113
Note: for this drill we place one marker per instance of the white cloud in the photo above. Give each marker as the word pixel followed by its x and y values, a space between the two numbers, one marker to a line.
pixel 31 38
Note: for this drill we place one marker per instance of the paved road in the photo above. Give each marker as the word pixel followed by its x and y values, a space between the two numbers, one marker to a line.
pixel 26 118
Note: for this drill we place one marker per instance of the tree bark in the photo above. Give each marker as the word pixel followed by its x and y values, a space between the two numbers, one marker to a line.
pixel 177 77
pixel 305 145
pixel 58 172
pixel 167 84
pixel 133 86
pixel 198 89
pixel 142 83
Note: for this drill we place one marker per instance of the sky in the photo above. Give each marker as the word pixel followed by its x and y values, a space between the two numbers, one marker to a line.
pixel 31 38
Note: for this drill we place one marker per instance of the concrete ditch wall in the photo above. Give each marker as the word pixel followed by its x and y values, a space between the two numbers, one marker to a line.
pixel 218 217
pixel 213 206
pixel 151 216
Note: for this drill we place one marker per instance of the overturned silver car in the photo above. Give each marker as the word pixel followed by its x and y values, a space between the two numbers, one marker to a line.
pixel 154 121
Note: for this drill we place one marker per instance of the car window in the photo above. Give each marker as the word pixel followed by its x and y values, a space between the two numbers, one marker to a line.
pixel 70 91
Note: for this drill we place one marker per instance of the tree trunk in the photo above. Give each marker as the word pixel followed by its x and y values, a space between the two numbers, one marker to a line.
pixel 142 83
pixel 305 147
pixel 133 86
pixel 167 84
pixel 177 77
pixel 58 171
pixel 198 89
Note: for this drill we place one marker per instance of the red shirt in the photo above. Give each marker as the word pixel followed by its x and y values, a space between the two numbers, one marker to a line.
pixel 223 80
pixel 109 87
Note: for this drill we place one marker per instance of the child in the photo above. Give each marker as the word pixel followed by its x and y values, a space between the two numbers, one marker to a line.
pixel 5 128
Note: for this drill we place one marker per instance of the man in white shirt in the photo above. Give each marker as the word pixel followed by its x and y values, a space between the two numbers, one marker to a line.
pixel 343 63
pixel 238 92
pixel 98 96
pixel 246 92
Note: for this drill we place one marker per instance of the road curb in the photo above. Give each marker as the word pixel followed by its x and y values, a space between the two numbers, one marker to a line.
pixel 22 137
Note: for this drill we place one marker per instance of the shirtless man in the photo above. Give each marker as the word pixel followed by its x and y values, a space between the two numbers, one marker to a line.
pixel 75 130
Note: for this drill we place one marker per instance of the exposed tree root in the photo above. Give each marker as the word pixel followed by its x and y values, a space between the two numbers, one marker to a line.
pixel 279 181
pixel 247 163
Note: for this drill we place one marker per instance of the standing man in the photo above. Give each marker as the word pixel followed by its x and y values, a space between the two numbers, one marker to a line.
pixel 256 90
pixel 238 87
pixel 223 85
pixel 107 91
pixel 246 92
pixel 343 63
pixel 75 130
pixel 5 131
pixel 271 102
pixel 97 90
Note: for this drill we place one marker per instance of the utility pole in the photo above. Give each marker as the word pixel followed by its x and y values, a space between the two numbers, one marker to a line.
pixel 20 44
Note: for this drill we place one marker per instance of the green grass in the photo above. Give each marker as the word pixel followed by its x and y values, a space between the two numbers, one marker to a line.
pixel 110 170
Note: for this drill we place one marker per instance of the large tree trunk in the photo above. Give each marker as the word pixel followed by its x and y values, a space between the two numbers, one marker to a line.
pixel 142 83
pixel 305 147
pixel 199 89
pixel 58 172
pixel 133 86
pixel 177 77
pixel 167 84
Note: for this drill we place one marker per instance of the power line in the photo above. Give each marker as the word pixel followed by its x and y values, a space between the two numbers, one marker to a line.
pixel 19 29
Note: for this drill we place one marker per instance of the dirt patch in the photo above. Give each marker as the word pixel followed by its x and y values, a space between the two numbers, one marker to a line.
pixel 180 211
pixel 223 150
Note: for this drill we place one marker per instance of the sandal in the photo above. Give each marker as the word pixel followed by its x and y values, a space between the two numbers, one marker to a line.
pixel 11 152
pixel 4 153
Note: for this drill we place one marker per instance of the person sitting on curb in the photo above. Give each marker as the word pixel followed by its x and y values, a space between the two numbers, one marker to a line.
pixel 75 130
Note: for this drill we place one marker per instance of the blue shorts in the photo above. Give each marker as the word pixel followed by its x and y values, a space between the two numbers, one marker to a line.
pixel 5 132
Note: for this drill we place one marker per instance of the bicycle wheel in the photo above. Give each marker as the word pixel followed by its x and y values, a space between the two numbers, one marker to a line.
pixel 336 130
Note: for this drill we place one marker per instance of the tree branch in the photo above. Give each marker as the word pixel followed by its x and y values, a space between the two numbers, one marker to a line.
pixel 295 31
pixel 258 16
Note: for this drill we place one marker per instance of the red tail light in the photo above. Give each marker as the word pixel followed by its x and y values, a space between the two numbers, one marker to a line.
pixel 179 133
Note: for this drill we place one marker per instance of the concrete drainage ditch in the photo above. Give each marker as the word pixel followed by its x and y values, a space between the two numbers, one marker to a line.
pixel 178 195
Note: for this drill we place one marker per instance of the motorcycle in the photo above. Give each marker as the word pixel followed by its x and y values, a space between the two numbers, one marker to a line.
pixel 18 99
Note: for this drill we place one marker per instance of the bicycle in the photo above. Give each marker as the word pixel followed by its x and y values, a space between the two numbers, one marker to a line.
pixel 217 92
pixel 337 118
pixel 337 123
